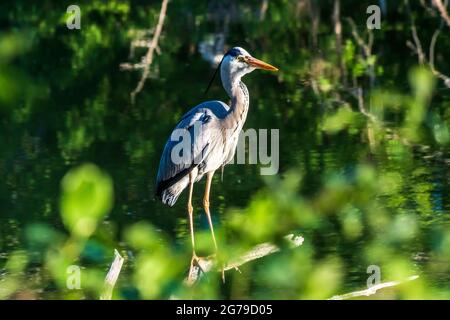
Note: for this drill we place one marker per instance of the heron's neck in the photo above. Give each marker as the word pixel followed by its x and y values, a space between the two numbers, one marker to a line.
pixel 240 101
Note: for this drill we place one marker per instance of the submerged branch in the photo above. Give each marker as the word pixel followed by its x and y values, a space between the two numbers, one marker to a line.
pixel 204 265
pixel 372 290
pixel 111 277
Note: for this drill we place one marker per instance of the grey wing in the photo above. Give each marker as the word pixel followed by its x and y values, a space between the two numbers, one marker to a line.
pixel 188 147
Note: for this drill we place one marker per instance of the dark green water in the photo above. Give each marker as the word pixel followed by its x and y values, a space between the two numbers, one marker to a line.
pixel 76 108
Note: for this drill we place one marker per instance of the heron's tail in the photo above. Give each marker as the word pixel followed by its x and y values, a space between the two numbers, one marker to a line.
pixel 169 194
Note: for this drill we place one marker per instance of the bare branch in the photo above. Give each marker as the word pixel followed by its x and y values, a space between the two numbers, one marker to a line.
pixel 338 37
pixel 430 10
pixel 263 9
pixel 367 47
pixel 442 11
pixel 372 290
pixel 147 60
pixel 417 48
pixel 362 108
pixel 314 14
pixel 111 277
pixel 208 264
pixel 436 33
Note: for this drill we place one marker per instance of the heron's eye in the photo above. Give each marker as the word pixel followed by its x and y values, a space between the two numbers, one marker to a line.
pixel 240 58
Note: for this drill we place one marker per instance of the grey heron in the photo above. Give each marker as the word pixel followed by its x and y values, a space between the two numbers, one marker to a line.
pixel 213 144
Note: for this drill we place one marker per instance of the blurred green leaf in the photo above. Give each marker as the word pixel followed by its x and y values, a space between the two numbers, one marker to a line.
pixel 87 196
pixel 341 119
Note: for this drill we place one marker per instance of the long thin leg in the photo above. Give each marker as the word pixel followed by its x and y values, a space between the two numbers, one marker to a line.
pixel 191 212
pixel 209 177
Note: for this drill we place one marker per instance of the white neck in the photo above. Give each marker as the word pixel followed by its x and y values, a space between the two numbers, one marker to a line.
pixel 229 81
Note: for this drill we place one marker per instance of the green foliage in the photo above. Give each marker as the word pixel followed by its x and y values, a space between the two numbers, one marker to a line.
pixel 341 119
pixel 363 183
pixel 11 79
pixel 87 196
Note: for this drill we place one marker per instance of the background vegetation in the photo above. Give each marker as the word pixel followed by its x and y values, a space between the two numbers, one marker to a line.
pixel 364 123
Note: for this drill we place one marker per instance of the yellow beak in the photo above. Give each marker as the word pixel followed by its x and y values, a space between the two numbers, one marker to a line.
pixel 260 64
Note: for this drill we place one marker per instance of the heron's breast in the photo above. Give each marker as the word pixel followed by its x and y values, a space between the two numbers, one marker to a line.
pixel 230 148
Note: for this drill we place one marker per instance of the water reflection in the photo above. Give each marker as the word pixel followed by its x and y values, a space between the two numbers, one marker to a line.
pixel 76 109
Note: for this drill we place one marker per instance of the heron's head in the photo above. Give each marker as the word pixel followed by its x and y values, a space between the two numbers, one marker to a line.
pixel 237 62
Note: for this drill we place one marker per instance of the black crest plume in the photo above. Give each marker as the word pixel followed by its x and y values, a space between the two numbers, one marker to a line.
pixel 214 75
pixel 232 52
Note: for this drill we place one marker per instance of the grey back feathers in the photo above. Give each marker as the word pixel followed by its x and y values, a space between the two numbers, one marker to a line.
pixel 173 176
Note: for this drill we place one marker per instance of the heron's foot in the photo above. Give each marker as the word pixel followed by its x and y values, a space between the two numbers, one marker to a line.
pixel 194 260
pixel 215 256
pixel 223 269
pixel 195 266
